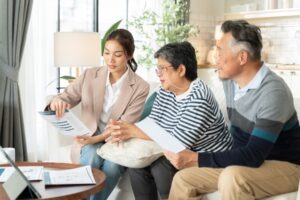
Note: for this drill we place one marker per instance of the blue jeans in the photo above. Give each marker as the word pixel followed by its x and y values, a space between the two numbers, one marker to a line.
pixel 88 156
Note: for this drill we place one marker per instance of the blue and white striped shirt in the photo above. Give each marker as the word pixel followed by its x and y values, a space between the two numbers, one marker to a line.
pixel 195 120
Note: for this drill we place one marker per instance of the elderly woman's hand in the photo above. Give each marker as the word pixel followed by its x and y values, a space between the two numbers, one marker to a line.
pixel 120 131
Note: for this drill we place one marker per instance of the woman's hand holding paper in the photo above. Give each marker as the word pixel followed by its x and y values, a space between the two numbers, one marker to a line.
pixel 59 106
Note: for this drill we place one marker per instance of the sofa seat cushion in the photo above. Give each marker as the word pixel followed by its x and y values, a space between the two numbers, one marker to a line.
pixel 286 196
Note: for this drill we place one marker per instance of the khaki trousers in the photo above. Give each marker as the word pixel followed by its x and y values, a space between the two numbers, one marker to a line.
pixel 236 182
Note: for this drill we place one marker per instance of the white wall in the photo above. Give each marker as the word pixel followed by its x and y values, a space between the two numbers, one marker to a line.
pixel 205 14
pixel 282 39
pixel 281 35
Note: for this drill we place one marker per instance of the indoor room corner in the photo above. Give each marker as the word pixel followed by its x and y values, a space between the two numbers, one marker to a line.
pixel 153 24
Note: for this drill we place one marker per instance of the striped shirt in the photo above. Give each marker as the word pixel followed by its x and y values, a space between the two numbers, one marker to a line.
pixel 195 120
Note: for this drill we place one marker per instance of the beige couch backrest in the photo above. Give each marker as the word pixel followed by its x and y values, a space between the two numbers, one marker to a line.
pixel 292 78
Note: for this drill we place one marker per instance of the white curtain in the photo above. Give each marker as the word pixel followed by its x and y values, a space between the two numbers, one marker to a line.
pixel 37 70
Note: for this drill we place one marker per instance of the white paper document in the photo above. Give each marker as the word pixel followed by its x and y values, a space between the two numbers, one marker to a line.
pixel 32 173
pixel 159 135
pixel 77 176
pixel 69 124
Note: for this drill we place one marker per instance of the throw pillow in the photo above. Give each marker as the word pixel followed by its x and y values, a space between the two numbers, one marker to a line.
pixel 133 153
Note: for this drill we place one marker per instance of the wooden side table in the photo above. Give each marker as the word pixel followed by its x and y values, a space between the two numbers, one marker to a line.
pixel 62 192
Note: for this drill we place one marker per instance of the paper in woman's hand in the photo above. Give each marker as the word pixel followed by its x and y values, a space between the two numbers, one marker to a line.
pixel 69 124
pixel 160 136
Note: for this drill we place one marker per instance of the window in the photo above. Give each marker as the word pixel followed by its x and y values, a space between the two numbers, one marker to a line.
pixel 76 15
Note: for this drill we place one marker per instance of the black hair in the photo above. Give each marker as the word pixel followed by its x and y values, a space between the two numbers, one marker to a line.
pixel 248 34
pixel 125 39
pixel 180 53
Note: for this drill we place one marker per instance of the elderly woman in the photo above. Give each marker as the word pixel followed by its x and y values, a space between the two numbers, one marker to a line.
pixel 186 108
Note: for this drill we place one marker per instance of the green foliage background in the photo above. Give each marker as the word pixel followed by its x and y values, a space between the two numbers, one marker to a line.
pixel 158 30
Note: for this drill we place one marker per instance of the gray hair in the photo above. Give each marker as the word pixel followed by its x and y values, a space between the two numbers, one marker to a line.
pixel 180 53
pixel 237 46
pixel 245 37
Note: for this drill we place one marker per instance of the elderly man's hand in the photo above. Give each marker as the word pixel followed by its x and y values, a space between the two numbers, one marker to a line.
pixel 183 159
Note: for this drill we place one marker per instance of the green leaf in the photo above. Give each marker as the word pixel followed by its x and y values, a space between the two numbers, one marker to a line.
pixel 67 78
pixel 109 31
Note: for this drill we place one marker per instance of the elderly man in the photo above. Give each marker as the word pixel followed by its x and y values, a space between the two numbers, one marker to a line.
pixel 265 156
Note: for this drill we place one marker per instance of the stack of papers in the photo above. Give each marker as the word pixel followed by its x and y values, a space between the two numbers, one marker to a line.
pixel 77 176
pixel 32 173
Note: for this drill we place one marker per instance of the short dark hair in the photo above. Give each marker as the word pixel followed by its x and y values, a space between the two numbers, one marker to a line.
pixel 246 34
pixel 180 53
pixel 125 39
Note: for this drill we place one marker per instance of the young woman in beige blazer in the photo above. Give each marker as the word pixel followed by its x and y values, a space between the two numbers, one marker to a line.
pixel 110 92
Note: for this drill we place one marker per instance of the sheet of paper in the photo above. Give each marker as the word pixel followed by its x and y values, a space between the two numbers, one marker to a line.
pixel 69 124
pixel 77 176
pixel 33 173
pixel 160 136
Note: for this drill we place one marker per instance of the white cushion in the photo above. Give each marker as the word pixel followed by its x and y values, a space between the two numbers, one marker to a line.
pixel 133 153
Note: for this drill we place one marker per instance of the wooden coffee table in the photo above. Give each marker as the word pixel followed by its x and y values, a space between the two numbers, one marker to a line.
pixel 62 192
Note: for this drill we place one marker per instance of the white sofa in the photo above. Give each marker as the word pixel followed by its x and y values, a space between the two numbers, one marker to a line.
pixel 123 191
pixel 60 145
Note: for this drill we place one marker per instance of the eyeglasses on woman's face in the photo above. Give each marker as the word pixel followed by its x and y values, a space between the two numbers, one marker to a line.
pixel 159 70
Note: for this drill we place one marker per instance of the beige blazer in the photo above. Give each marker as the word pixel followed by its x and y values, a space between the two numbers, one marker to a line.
pixel 89 90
